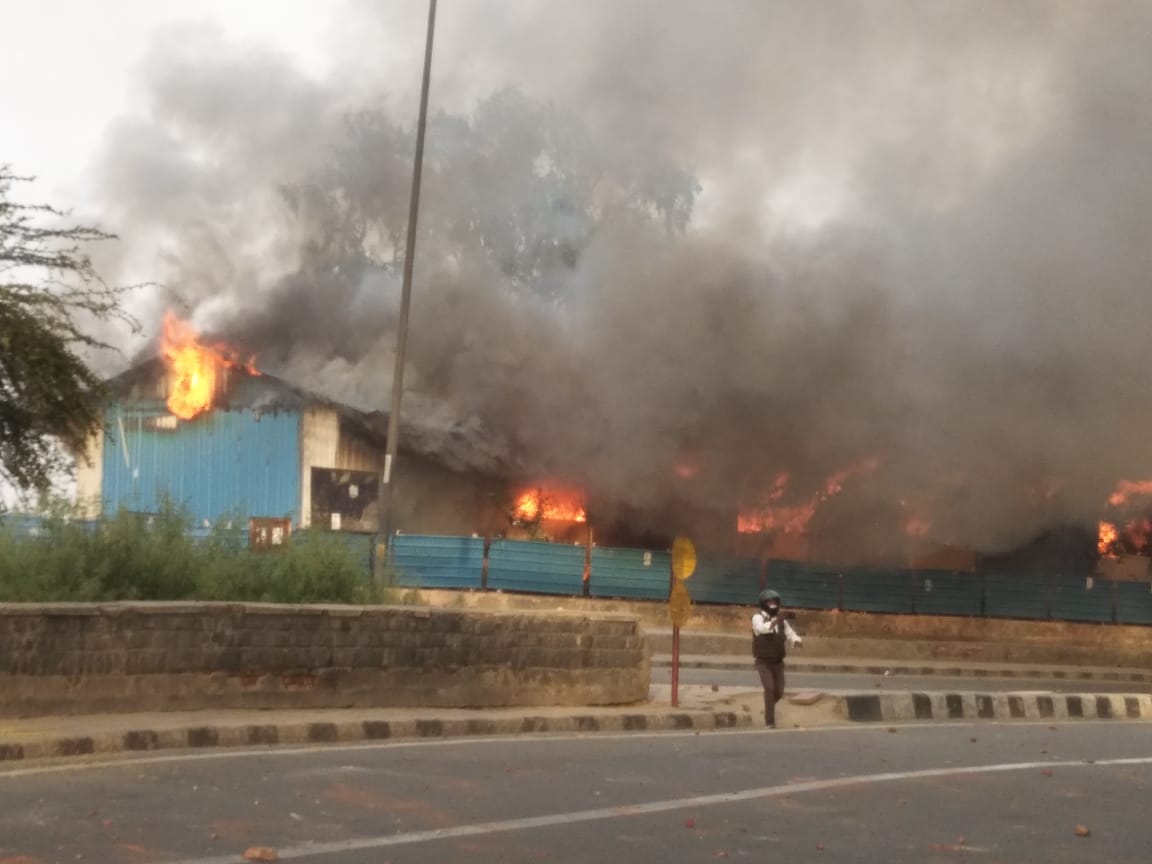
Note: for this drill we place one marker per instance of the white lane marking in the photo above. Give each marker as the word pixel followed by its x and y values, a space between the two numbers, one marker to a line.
pixel 127 759
pixel 409 838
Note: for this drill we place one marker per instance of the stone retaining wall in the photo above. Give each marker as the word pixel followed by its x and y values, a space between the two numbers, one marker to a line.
pixel 867 634
pixel 78 658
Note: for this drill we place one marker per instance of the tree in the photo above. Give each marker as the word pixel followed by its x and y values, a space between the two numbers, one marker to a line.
pixel 516 181
pixel 50 399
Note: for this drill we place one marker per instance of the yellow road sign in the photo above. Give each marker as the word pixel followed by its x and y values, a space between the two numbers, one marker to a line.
pixel 683 558
pixel 679 604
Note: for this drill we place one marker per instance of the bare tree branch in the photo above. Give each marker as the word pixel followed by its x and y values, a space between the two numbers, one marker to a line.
pixel 49 397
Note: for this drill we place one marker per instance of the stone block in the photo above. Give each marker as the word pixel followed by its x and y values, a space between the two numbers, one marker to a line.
pixel 145 662
pixel 364 657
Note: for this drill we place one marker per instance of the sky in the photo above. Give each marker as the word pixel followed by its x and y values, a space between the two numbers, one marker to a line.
pixel 914 233
pixel 72 64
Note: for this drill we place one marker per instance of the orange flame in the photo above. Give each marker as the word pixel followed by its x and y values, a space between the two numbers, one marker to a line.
pixel 1107 536
pixel 687 462
pixel 794 519
pixel 1137 532
pixel 193 368
pixel 916 521
pixel 789 520
pixel 1125 489
pixel 559 505
pixel 917 527
pixel 835 483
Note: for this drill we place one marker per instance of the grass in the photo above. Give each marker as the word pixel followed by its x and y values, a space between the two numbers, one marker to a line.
pixel 127 557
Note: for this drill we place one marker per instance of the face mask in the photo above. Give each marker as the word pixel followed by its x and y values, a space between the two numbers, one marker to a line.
pixel 773 611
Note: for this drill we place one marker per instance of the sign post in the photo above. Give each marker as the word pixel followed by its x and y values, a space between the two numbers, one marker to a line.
pixel 679 603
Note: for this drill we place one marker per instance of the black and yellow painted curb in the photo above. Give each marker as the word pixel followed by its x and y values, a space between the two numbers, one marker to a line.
pixel 901 707
pixel 344 732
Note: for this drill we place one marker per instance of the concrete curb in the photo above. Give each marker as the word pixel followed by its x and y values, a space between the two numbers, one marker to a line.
pixel 891 707
pixel 663 661
pixel 920 707
pixel 888 707
pixel 143 739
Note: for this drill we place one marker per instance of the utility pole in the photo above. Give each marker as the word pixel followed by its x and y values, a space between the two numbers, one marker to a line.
pixel 386 491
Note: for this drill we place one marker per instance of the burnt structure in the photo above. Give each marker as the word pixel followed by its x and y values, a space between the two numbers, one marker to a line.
pixel 276 458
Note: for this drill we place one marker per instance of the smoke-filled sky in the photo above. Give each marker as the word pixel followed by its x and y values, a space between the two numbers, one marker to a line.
pixel 760 236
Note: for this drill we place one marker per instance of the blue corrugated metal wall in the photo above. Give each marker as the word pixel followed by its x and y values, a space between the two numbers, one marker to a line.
pixel 630 573
pixel 878 591
pixel 1016 595
pixel 225 463
pixel 545 568
pixel 1133 603
pixel 1074 598
pixel 803 586
pixel 542 568
pixel 941 592
pixel 725 580
pixel 438 562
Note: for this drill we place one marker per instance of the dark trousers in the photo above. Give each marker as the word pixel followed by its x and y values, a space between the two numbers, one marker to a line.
pixel 772 680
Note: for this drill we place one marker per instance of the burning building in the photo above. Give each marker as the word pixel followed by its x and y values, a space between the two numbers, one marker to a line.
pixel 208 432
pixel 203 428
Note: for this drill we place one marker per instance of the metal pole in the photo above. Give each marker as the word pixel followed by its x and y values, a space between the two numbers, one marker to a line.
pixel 675 635
pixel 406 295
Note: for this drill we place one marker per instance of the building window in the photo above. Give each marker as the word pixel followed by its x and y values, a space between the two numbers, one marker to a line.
pixel 345 500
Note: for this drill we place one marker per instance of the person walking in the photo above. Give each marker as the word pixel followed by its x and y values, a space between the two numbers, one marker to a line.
pixel 772 636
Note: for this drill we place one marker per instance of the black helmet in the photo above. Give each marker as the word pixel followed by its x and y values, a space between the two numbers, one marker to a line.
pixel 767 596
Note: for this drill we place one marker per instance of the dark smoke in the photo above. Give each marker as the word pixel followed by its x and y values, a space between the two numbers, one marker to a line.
pixel 921 234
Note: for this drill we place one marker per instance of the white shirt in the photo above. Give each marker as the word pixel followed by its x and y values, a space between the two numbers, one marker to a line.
pixel 762 624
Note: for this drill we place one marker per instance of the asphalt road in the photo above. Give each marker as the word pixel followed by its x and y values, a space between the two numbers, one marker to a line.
pixel 832 681
pixel 860 794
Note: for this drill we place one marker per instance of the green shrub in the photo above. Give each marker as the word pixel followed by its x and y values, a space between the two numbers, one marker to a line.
pixel 132 557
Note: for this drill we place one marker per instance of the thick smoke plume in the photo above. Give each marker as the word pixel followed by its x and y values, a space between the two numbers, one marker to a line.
pixel 757 237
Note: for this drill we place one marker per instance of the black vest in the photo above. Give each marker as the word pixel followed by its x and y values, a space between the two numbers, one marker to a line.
pixel 770 647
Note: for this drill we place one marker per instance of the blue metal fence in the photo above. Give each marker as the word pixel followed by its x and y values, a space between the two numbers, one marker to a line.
pixel 878 591
pixel 633 574
pixel 805 587
pixel 539 568
pixel 438 562
pixel 941 592
pixel 1133 603
pixel 1076 598
pixel 1016 595
pixel 724 580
